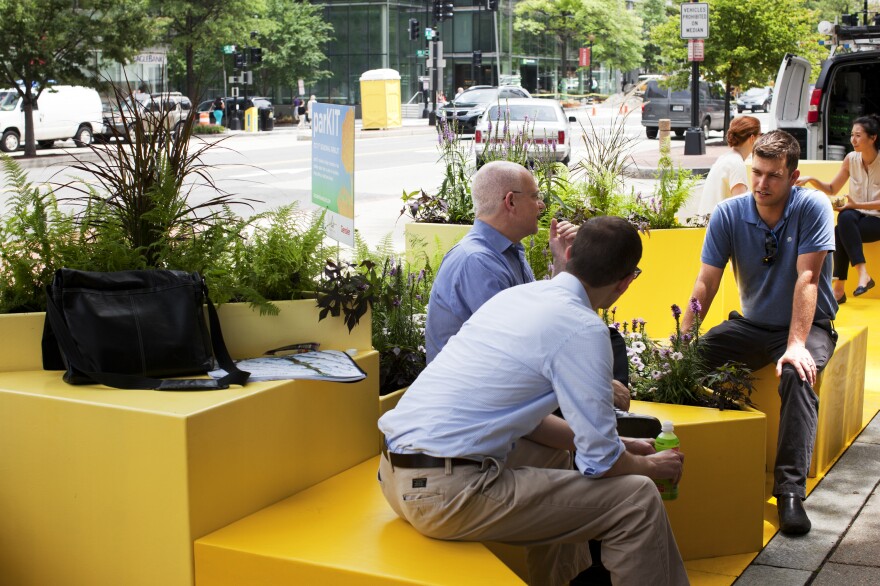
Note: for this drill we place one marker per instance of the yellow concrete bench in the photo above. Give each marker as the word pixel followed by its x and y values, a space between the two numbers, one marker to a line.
pixel 105 486
pixel 841 391
pixel 340 532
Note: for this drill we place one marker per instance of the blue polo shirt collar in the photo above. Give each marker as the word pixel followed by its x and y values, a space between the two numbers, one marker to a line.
pixel 751 214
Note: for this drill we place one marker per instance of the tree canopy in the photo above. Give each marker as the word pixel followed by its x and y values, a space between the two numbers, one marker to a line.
pixel 617 37
pixel 747 42
pixel 59 41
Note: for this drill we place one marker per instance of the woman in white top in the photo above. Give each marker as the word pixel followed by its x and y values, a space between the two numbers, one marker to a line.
pixel 728 175
pixel 859 217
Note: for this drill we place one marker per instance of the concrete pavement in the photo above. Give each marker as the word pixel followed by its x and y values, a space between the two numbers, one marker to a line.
pixel 842 546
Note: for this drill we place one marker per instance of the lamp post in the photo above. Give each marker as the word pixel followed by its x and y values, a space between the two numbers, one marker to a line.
pixel 591 38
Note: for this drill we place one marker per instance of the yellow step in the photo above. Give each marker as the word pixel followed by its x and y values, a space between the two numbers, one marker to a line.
pixel 339 532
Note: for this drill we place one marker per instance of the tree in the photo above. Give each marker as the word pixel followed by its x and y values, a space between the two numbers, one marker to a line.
pixel 292 36
pixel 202 27
pixel 46 41
pixel 747 42
pixel 616 31
pixel 653 13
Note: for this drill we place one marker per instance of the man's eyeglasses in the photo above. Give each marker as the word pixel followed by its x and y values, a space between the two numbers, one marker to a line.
pixel 537 196
pixel 771 248
pixel 636 273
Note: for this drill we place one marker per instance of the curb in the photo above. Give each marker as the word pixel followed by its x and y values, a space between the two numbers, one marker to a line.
pixel 651 172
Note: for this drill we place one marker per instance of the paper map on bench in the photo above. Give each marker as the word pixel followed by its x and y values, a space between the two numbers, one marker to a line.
pixel 330 365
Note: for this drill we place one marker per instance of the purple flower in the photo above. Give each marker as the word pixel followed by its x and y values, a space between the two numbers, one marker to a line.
pixel 635 324
pixel 676 311
pixel 695 306
pixel 395 302
pixel 421 275
pixel 418 297
pixel 615 325
pixel 686 338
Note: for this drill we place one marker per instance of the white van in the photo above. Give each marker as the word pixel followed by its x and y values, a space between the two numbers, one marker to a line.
pixel 820 116
pixel 61 112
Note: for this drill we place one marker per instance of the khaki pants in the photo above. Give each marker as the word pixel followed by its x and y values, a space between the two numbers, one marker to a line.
pixel 535 499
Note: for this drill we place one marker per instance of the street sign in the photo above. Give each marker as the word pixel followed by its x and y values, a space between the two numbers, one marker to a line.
pixel 421 52
pixel 694 20
pixel 234 79
pixel 695 49
pixel 228 49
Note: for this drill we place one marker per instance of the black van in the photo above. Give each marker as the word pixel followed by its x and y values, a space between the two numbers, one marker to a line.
pixel 661 102
pixel 848 86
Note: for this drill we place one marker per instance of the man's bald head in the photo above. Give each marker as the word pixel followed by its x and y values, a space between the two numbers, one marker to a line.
pixel 493 181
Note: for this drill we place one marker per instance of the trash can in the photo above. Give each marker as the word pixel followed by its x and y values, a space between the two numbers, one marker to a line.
pixel 251 120
pixel 380 99
pixel 267 119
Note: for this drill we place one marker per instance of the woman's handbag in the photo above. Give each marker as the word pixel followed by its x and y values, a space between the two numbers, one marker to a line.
pixel 129 329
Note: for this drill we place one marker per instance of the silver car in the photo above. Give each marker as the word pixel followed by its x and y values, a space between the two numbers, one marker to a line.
pixel 757 98
pixel 541 125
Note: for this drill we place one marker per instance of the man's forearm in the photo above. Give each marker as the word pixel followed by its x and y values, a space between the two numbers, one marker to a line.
pixel 553 432
pixel 803 309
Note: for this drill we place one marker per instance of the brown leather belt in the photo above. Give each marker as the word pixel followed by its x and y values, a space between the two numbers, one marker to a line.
pixel 424 460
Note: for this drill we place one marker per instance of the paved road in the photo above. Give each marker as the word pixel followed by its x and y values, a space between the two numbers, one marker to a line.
pixel 275 168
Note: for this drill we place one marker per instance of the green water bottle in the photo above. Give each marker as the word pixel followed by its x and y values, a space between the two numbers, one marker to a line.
pixel 667 440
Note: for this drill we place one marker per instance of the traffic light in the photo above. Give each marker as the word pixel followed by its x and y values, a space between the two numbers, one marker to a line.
pixel 413 29
pixel 256 55
pixel 443 9
pixel 492 5
pixel 239 59
pixel 478 58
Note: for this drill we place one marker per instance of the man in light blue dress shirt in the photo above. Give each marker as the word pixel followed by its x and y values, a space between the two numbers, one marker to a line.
pixel 474 454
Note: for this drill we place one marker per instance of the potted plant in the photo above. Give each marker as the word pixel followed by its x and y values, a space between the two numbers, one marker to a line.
pixel 722 436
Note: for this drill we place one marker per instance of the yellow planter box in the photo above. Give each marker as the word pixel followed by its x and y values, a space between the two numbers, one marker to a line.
pixel 670 265
pixel 720 507
pixel 840 408
pixel 106 486
pixel 430 242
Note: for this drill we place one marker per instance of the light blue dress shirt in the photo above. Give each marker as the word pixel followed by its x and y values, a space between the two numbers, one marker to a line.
pixel 482 264
pixel 525 352
pixel 737 233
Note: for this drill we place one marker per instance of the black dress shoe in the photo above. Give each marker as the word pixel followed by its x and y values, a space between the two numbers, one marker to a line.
pixel 842 300
pixel 793 518
pixel 862 290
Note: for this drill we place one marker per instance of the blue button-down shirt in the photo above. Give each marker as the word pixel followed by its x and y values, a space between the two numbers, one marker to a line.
pixel 525 352
pixel 737 233
pixel 483 263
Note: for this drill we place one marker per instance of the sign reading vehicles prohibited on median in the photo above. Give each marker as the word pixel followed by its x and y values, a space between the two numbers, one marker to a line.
pixel 695 20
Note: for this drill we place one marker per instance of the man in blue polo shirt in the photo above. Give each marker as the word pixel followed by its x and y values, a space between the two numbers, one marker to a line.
pixel 777 238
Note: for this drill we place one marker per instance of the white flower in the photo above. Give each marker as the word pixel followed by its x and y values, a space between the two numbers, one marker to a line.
pixel 677 356
pixel 639 347
pixel 635 336
pixel 636 360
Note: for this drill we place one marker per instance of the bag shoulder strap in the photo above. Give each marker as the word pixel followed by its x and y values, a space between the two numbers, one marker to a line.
pixel 129 381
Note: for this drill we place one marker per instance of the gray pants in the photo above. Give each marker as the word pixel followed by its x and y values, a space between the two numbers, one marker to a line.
pixel 535 499
pixel 756 346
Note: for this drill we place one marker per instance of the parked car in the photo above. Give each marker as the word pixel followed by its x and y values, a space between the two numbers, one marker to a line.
pixel 756 98
pixel 544 121
pixel 169 110
pixel 663 102
pixel 238 105
pixel 61 112
pixel 463 113
pixel 848 86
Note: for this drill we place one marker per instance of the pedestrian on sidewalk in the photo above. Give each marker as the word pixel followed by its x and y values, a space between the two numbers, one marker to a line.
pixel 728 176
pixel 310 108
pixel 777 238
pixel 859 218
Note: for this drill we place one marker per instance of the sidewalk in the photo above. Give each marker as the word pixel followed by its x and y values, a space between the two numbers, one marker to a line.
pixel 646 161
pixel 842 547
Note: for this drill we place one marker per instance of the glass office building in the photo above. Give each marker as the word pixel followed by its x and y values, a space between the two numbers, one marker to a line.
pixel 374 34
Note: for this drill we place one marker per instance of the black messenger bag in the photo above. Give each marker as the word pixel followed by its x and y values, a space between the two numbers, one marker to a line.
pixel 130 329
